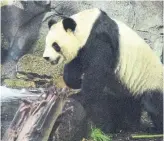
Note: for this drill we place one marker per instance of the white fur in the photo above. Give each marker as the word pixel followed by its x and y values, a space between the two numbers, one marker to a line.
pixel 71 41
pixel 139 68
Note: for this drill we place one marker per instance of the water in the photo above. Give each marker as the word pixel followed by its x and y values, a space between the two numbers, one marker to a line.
pixel 8 93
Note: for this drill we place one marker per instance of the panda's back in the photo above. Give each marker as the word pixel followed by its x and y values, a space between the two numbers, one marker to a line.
pixel 139 69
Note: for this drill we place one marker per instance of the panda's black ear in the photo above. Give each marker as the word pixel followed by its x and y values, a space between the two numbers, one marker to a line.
pixel 51 22
pixel 69 23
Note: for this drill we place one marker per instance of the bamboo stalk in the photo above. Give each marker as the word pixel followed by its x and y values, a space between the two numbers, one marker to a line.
pixel 147 136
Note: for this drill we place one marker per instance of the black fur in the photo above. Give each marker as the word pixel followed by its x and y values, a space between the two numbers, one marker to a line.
pixel 69 23
pixel 113 114
pixel 51 22
pixel 153 103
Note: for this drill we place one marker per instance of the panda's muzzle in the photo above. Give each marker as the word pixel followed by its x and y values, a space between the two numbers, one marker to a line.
pixel 55 61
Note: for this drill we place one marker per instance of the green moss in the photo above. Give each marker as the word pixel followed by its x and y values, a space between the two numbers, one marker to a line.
pixel 29 63
pixel 18 83
pixel 39 47
pixel 35 64
pixel 4 2
pixel 21 76
pixel 98 135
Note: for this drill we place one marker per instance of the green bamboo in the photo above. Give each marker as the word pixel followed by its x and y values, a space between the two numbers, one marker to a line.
pixel 147 136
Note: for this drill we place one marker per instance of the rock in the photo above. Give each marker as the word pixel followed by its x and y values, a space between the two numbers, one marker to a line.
pixel 8 69
pixel 39 80
pixel 8 110
pixel 18 83
pixel 4 48
pixel 158 47
pixel 149 23
pixel 20 25
pixel 30 64
pixel 39 46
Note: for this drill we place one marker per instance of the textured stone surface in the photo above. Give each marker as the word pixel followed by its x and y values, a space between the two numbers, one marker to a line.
pixel 20 26
pixel 34 64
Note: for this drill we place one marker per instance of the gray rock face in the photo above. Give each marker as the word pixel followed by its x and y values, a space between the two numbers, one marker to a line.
pixel 20 26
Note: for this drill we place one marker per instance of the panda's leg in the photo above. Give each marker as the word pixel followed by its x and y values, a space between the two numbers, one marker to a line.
pixel 112 114
pixel 104 112
pixel 131 108
pixel 153 104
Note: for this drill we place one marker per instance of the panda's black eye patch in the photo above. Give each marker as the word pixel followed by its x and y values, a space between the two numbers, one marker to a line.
pixel 56 47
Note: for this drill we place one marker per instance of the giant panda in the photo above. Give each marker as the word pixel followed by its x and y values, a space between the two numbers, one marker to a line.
pixel 108 61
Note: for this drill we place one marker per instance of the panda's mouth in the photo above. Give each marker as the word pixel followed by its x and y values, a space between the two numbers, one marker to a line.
pixel 55 62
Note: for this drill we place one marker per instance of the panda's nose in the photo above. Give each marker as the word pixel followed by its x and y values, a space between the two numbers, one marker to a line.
pixel 46 58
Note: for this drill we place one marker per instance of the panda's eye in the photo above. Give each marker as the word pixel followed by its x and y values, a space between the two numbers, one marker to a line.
pixel 56 47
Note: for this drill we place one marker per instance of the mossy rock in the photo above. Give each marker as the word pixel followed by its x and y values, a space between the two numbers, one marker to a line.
pixel 18 83
pixel 4 2
pixel 39 47
pixel 34 64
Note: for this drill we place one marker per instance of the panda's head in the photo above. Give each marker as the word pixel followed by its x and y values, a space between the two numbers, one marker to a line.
pixel 66 37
